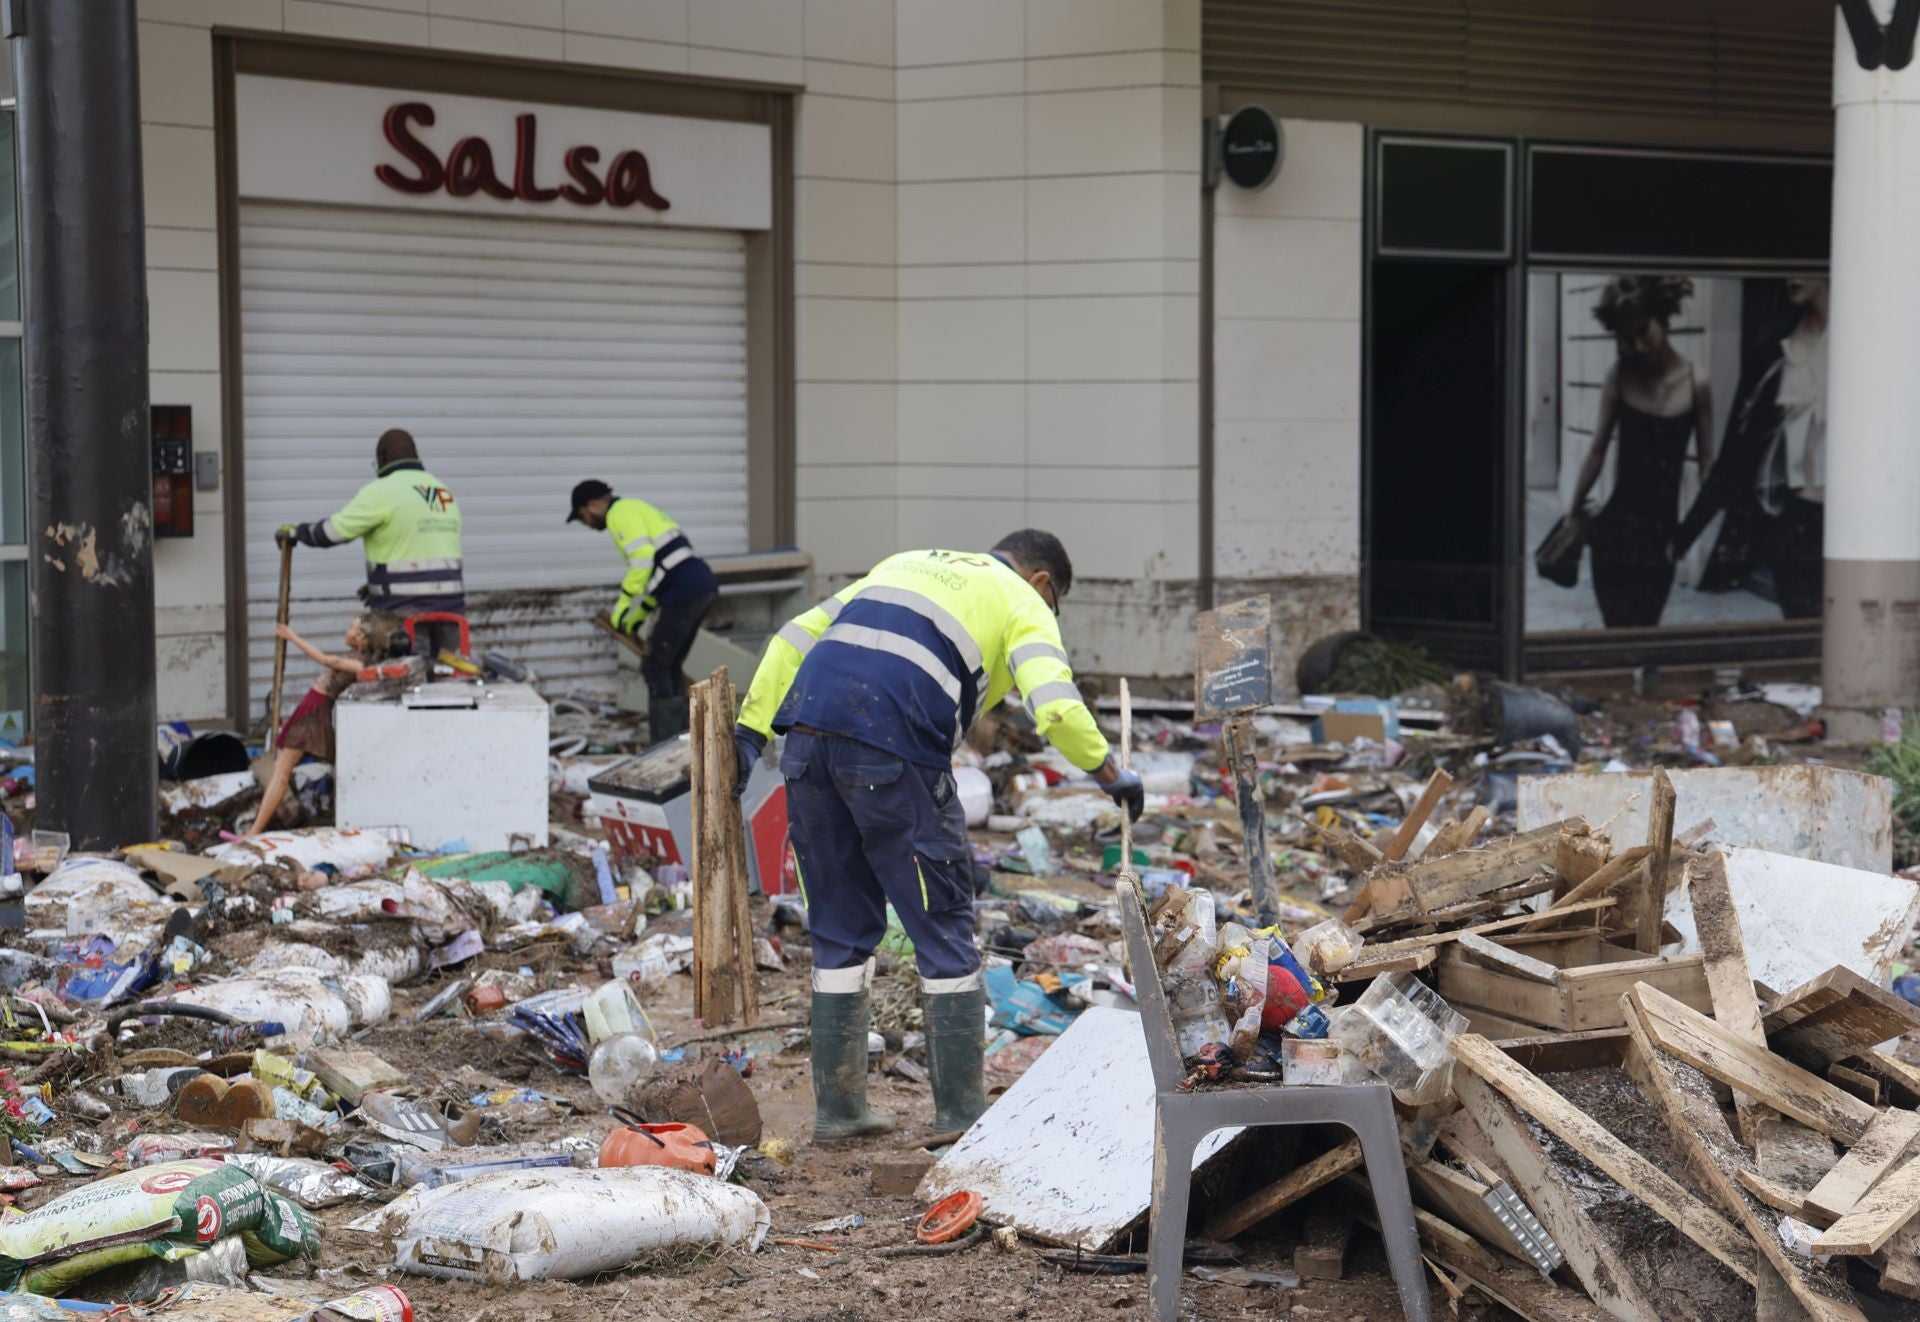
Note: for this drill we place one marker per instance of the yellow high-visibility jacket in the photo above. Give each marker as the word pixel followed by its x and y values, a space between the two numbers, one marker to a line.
pixel 660 561
pixel 905 659
pixel 410 526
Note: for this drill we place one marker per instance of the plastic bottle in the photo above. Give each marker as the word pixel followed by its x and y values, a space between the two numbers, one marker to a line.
pixel 619 1064
pixel 1203 944
pixel 1199 1018
pixel 1193 995
pixel 613 1010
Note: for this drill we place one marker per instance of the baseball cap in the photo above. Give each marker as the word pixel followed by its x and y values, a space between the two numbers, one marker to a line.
pixel 591 489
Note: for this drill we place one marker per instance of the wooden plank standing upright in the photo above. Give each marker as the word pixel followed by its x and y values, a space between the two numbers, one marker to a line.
pixel 722 924
pixel 1729 981
pixel 1126 764
pixel 1660 841
pixel 280 644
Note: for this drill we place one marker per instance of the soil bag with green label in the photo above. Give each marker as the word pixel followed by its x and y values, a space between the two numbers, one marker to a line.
pixel 189 1202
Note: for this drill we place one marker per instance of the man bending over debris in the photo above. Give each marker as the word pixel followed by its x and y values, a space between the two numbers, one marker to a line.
pixel 874 689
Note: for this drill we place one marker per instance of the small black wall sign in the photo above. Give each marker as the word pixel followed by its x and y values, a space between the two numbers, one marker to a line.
pixel 1251 147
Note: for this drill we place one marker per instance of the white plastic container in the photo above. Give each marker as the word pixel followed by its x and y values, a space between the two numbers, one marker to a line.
pixel 1326 947
pixel 975 792
pixel 1400 1030
pixel 1317 1062
pixel 614 1011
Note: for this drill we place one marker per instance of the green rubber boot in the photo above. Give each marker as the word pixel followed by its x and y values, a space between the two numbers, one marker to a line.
pixel 956 1043
pixel 840 1070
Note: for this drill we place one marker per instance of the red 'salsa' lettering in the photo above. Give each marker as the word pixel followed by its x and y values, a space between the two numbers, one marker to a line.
pixel 586 189
pixel 470 170
pixel 629 181
pixel 469 167
pixel 400 134
pixel 524 187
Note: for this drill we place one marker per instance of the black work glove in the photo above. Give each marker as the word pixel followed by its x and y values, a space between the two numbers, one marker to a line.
pixel 747 747
pixel 1129 792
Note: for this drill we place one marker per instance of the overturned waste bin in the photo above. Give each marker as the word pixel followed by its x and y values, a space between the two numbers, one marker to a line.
pixel 645 805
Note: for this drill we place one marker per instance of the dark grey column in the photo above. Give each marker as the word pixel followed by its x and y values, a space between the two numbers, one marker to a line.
pixel 89 452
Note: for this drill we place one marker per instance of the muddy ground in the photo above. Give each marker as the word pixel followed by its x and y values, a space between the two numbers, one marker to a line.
pixel 450 1056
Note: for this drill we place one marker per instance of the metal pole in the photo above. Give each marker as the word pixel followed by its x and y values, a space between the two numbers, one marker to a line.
pixel 89 449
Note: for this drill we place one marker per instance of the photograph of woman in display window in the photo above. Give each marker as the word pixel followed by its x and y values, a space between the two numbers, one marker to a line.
pixel 1654 404
pixel 1771 477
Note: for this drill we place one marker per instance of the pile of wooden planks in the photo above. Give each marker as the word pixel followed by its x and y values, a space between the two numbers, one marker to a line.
pixel 1630 1134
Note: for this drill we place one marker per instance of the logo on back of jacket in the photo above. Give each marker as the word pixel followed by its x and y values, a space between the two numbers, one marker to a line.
pixel 935 567
pixel 437 499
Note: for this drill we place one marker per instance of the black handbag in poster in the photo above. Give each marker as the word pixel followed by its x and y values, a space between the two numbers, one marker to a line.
pixel 1557 558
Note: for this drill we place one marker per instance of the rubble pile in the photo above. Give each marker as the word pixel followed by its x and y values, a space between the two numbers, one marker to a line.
pixel 325 1073
pixel 1594 1098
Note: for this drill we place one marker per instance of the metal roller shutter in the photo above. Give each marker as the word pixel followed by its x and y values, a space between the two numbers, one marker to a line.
pixel 524 356
pixel 1764 61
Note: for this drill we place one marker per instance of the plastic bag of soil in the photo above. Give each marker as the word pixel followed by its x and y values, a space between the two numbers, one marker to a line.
pixel 564 1224
pixel 191 1202
pixel 212 1303
pixel 122 1272
pixel 283 1234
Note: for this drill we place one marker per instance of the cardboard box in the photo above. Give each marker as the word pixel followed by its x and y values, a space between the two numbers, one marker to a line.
pixel 1340 727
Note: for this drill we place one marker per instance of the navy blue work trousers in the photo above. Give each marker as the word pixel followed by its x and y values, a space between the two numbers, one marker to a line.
pixel 869 828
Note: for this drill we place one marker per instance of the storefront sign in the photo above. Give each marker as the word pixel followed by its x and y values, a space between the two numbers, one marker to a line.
pixel 1251 147
pixel 303 141
pixel 469 167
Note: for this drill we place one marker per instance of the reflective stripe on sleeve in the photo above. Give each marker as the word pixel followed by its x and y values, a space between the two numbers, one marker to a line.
pixel 795 637
pixel 638 544
pixel 907 649
pixel 1034 652
pixel 329 533
pixel 831 608
pixel 1053 692
pixel 939 616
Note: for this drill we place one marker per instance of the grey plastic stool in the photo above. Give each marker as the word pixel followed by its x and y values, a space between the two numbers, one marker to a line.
pixel 1183 1119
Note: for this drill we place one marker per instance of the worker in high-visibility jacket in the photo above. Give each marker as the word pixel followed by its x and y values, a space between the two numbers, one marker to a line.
pixel 874 689
pixel 411 526
pixel 665 581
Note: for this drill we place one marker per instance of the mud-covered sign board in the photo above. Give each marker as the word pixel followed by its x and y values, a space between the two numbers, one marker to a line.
pixel 1233 659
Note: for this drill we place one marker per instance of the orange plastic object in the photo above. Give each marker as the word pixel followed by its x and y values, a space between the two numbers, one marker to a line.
pixel 950 1218
pixel 485 1000
pixel 681 1146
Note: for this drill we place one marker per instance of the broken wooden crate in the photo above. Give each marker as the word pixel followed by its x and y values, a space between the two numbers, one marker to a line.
pixel 1517 985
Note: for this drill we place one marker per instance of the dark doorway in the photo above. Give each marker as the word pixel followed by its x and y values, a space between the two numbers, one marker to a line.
pixel 1436 455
